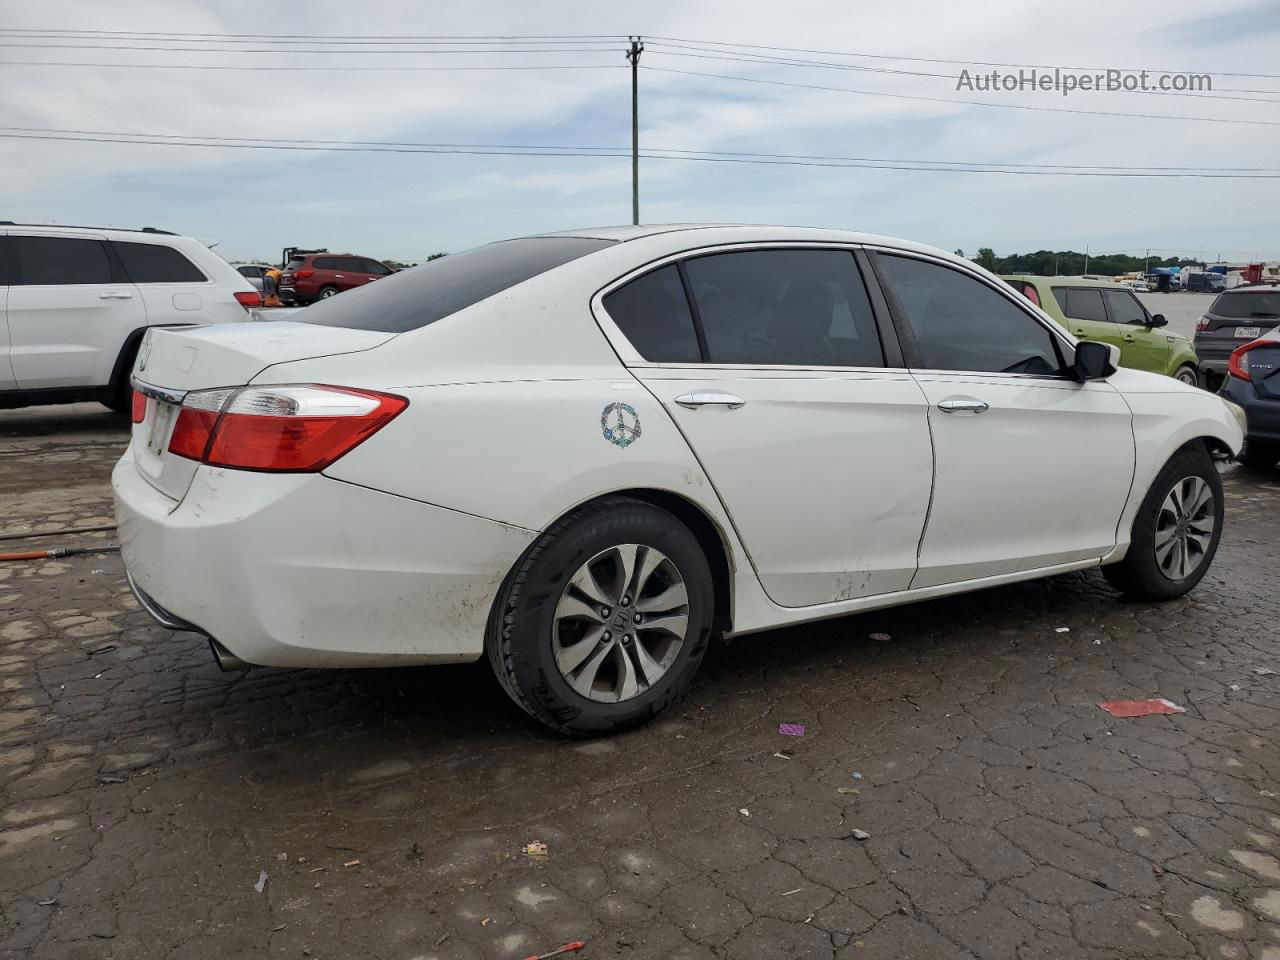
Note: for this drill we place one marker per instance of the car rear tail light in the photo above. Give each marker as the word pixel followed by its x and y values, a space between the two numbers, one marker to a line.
pixel 249 298
pixel 1202 325
pixel 303 274
pixel 1238 366
pixel 297 428
pixel 138 409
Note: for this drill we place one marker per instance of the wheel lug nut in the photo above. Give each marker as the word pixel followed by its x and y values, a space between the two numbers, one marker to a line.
pixel 638 618
pixel 626 601
pixel 626 639
pixel 607 637
pixel 604 611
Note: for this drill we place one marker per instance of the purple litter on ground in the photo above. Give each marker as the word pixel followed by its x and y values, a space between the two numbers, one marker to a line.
pixel 791 729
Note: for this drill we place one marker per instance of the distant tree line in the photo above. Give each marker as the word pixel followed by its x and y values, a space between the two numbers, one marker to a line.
pixel 1048 263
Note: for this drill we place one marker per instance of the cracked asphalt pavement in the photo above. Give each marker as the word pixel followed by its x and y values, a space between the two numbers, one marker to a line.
pixel 957 792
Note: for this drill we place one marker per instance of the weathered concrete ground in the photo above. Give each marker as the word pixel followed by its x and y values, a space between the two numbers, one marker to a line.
pixel 142 792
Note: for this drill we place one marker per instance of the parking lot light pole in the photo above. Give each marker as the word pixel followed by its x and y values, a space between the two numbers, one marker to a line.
pixel 633 56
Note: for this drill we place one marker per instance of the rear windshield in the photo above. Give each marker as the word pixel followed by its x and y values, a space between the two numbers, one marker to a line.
pixel 295 263
pixel 427 293
pixel 1240 305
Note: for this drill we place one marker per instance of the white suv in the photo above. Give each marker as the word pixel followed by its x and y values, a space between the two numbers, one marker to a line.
pixel 76 301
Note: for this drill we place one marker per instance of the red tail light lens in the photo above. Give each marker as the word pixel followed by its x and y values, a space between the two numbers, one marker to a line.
pixel 1202 325
pixel 297 428
pixel 249 298
pixel 1238 366
pixel 303 274
pixel 138 409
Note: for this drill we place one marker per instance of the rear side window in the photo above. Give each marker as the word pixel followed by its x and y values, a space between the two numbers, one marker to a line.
pixel 1079 304
pixel 427 293
pixel 325 263
pixel 1028 290
pixel 785 307
pixel 155 263
pixel 1244 306
pixel 60 260
pixel 653 312
pixel 962 324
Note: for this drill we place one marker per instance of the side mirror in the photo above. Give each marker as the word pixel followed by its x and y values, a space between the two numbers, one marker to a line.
pixel 1158 320
pixel 1094 360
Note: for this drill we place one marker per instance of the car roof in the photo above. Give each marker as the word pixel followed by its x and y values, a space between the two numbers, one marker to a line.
pixel 73 228
pixel 676 237
pixel 1254 288
pixel 1066 281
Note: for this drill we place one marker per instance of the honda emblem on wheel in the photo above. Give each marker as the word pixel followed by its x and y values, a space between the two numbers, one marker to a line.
pixel 620 424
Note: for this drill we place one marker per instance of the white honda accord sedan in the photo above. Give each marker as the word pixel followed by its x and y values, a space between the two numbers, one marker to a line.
pixel 582 455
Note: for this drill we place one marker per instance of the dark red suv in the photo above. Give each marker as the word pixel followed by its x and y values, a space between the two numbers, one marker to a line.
pixel 309 277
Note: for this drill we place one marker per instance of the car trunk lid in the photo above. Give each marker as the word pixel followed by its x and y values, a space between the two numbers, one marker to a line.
pixel 172 363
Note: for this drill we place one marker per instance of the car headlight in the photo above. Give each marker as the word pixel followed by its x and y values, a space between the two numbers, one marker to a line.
pixel 1237 411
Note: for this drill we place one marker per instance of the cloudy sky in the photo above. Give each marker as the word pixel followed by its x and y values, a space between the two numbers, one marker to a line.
pixel 406 205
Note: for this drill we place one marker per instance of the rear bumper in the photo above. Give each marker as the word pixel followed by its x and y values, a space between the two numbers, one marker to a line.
pixel 1263 415
pixel 299 570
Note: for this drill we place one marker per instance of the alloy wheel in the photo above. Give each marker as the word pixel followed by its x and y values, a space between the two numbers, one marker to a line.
pixel 1188 376
pixel 620 623
pixel 1184 528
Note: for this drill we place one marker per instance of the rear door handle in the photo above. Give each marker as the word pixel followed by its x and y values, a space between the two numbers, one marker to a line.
pixel 694 400
pixel 962 405
pixel 116 295
pixel 1128 338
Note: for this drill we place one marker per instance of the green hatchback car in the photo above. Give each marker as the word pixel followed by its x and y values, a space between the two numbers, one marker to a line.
pixel 1099 310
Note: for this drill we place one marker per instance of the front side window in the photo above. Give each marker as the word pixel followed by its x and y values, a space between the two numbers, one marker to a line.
pixel 374 267
pixel 61 260
pixel 1081 304
pixel 427 293
pixel 784 307
pixel 962 324
pixel 155 263
pixel 653 313
pixel 1124 307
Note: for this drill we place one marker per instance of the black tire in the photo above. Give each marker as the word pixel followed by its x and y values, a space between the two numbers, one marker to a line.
pixel 521 625
pixel 1260 454
pixel 120 400
pixel 1187 374
pixel 327 292
pixel 1138 575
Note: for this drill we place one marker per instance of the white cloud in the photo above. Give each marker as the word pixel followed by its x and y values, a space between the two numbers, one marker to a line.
pixel 407 205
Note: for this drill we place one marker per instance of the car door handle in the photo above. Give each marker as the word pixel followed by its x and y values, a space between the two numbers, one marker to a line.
pixel 1128 338
pixel 962 405
pixel 116 295
pixel 694 400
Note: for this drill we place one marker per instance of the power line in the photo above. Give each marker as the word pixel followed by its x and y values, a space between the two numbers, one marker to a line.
pixel 707 53
pixel 329 36
pixel 343 68
pixel 978 63
pixel 277 52
pixel 652 150
pixel 601 152
pixel 959 100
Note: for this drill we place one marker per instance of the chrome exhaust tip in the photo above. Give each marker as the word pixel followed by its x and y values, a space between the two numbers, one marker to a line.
pixel 227 661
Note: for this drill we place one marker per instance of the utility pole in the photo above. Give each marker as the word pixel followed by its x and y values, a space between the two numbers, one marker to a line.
pixel 633 56
pixel 1086 258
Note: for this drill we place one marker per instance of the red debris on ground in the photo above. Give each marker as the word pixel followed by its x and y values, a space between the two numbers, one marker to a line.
pixel 1139 708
